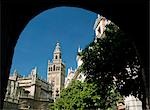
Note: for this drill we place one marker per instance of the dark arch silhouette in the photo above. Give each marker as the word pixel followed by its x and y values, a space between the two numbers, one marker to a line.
pixel 130 15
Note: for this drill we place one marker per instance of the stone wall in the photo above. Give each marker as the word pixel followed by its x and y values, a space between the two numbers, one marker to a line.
pixel 27 103
pixel 10 106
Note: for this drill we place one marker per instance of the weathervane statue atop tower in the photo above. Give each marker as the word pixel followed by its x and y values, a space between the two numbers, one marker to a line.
pixel 57 48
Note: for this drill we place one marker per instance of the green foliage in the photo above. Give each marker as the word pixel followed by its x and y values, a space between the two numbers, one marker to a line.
pixel 113 60
pixel 81 96
pixel 112 69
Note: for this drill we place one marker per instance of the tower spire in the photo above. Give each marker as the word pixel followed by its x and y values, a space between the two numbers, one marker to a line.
pixel 57 52
pixel 57 48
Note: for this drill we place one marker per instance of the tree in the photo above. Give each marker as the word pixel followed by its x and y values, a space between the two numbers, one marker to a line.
pixel 113 61
pixel 80 96
pixel 112 69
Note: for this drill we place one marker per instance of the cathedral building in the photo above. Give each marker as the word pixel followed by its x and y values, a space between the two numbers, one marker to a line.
pixel 56 72
pixel 27 92
pixel 32 92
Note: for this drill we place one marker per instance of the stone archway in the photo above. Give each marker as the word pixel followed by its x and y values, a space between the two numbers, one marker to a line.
pixel 130 16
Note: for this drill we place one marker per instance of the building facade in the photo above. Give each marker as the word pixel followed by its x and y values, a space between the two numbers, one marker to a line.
pixel 100 26
pixel 56 72
pixel 79 75
pixel 28 92
pixel 11 100
pixel 69 77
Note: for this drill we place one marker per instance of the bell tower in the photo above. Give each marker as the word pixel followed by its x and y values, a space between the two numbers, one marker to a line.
pixel 56 72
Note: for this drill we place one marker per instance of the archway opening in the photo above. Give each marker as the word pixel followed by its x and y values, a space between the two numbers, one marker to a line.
pixel 8 67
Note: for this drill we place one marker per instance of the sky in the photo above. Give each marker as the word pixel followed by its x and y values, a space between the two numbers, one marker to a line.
pixel 71 27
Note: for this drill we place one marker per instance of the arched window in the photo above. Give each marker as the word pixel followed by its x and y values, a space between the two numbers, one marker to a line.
pixel 57 91
pixel 51 68
pixel 57 68
pixel 99 30
pixel 56 57
pixel 54 68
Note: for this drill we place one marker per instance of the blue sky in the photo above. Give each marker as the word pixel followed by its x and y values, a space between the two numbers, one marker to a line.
pixel 71 27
